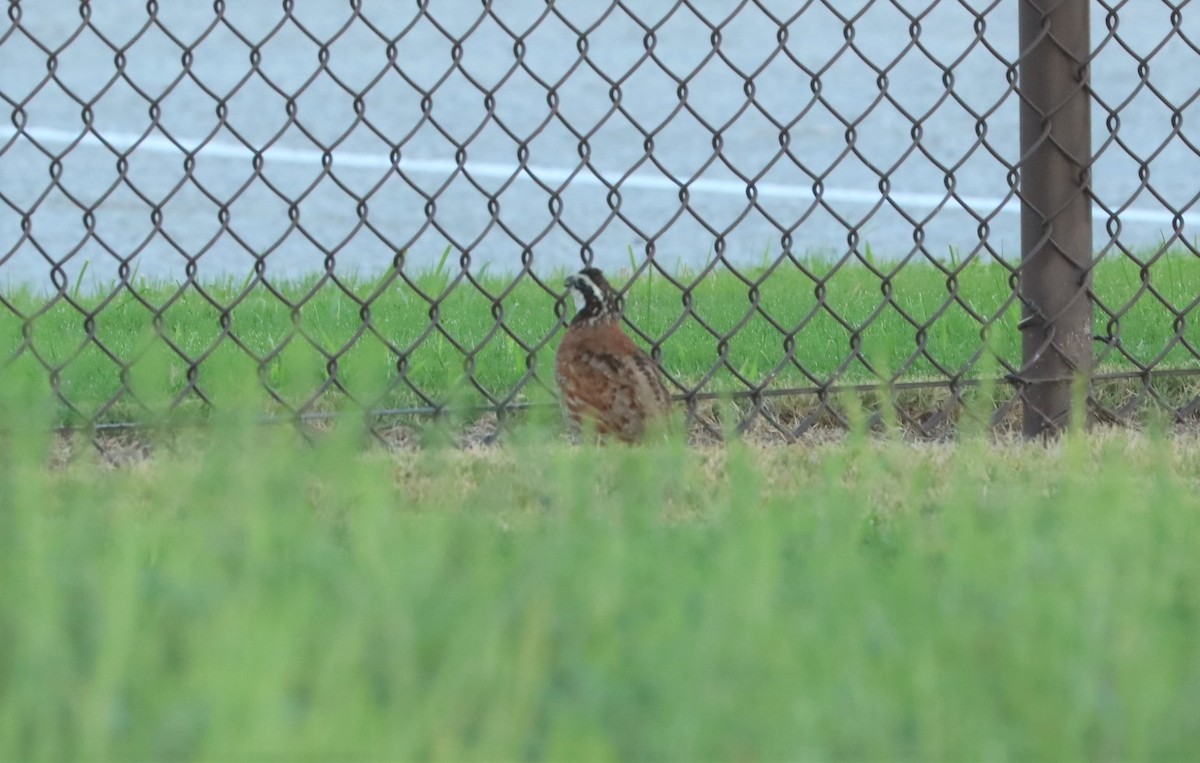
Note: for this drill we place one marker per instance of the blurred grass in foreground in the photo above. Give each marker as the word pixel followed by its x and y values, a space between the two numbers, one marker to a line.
pixel 246 597
pixel 292 346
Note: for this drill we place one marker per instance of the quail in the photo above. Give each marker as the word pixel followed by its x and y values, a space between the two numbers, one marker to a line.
pixel 607 382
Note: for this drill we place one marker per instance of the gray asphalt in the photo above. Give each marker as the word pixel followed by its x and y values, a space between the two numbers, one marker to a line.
pixel 716 216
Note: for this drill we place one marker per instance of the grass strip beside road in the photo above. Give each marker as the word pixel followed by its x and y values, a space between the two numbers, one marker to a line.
pixel 134 353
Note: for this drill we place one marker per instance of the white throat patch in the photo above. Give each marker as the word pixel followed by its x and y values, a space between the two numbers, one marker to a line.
pixel 578 297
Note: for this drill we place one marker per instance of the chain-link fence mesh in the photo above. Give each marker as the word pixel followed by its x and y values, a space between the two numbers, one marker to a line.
pixel 815 209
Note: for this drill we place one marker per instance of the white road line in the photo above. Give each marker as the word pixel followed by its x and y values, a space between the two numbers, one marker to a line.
pixel 552 175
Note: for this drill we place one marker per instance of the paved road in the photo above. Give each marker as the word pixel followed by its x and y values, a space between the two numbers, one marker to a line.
pixel 225 211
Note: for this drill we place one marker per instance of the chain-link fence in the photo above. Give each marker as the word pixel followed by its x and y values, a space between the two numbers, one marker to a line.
pixel 818 210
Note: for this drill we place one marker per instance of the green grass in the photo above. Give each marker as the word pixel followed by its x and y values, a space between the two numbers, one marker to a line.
pixel 245 597
pixel 242 596
pixel 399 358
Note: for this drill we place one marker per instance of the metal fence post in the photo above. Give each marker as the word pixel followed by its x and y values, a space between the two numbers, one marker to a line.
pixel 1056 215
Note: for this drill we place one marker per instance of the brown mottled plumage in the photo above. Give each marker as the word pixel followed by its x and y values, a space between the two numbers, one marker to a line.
pixel 605 379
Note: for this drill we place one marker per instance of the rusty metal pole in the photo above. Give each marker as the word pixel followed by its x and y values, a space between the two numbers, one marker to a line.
pixel 1056 210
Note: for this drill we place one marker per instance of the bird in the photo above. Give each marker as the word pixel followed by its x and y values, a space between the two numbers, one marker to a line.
pixel 607 382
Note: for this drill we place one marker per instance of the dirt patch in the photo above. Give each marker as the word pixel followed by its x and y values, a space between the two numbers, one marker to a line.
pixel 775 422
